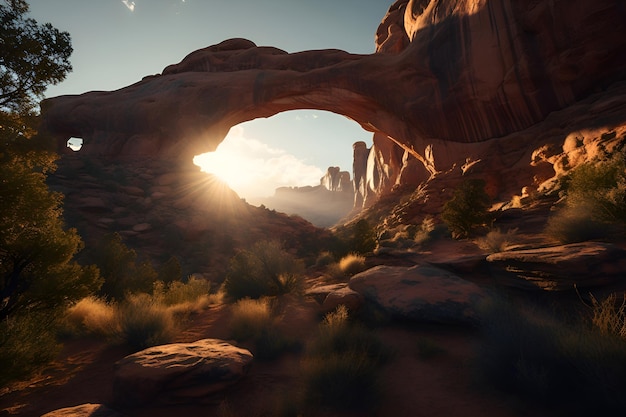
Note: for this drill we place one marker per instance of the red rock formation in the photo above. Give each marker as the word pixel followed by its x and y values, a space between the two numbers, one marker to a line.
pixel 457 87
pixel 446 71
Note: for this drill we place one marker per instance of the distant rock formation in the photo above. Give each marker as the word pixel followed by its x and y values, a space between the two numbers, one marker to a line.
pixel 323 205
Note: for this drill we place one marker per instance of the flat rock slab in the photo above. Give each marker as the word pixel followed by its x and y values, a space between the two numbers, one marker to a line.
pixel 421 293
pixel 584 265
pixel 83 410
pixel 179 373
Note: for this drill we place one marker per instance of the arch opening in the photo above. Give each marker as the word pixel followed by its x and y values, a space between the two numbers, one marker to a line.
pixel 75 144
pixel 280 162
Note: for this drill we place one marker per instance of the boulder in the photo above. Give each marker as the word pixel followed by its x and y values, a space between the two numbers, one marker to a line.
pixel 84 410
pixel 179 373
pixel 333 295
pixel 421 293
pixel 581 265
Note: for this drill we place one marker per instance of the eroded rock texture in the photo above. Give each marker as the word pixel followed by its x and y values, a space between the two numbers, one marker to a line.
pixel 457 71
pixel 508 91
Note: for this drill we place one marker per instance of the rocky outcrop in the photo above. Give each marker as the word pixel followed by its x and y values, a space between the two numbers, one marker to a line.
pixel 420 293
pixel 332 296
pixel 179 373
pixel 336 180
pixel 84 410
pixel 566 267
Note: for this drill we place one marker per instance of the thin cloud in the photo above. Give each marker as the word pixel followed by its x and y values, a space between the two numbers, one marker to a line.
pixel 129 4
pixel 254 169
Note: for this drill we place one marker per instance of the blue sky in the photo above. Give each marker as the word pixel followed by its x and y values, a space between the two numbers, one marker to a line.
pixel 118 42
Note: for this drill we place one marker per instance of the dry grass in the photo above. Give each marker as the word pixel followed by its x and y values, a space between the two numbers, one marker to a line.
pixel 609 317
pixel 145 322
pixel 94 316
pixel 250 318
pixel 352 264
pixel 495 241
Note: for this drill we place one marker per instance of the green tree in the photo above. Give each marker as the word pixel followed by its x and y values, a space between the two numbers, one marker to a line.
pixel 120 270
pixel 33 56
pixel 467 209
pixel 363 237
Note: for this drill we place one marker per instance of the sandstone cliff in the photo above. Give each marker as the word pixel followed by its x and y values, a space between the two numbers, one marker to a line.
pixel 456 87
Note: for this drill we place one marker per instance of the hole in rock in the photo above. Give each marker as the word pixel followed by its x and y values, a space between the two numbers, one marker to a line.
pixel 75 144
pixel 290 149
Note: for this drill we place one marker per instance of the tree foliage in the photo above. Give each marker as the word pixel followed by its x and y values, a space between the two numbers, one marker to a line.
pixel 467 209
pixel 121 270
pixel 33 56
pixel 36 251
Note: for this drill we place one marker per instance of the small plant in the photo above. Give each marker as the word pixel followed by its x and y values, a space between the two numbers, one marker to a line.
pixel 93 315
pixel 595 204
pixel 609 317
pixel 264 270
pixel 27 343
pixel 425 230
pixel 145 322
pixel 252 320
pixel 467 209
pixel 352 264
pixel 324 259
pixel 496 241
pixel 341 365
pixel 363 239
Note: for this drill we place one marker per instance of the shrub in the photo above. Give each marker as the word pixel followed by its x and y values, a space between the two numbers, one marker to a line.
pixel 93 315
pixel 425 230
pixel 467 209
pixel 572 367
pixel 264 270
pixel 27 343
pixel 252 320
pixel 609 317
pixel 595 203
pixel 363 237
pixel 496 241
pixel 341 365
pixel 428 348
pixel 324 259
pixel 144 322
pixel 352 264
pixel 576 224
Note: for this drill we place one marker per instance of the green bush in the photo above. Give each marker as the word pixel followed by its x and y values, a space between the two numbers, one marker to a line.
pixel 264 270
pixel 27 343
pixel 571 367
pixel 363 239
pixel 595 204
pixel 341 366
pixel 467 209
pixel 145 322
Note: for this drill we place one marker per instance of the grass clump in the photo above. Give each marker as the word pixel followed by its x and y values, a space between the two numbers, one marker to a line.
pixel 144 322
pixel 264 270
pixel 496 241
pixel 341 366
pixel 573 367
pixel 93 316
pixel 253 320
pixel 352 264
pixel 467 209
